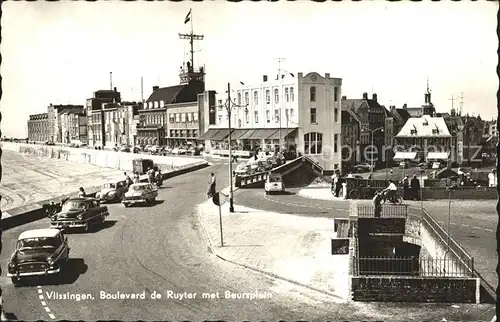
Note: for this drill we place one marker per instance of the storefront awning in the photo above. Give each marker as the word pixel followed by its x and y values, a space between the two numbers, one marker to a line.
pixel 247 135
pixel 209 134
pixel 437 155
pixel 405 155
pixel 238 133
pixel 283 133
pixel 220 135
pixel 263 133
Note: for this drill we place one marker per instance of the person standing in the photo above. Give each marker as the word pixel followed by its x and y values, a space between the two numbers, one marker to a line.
pixel 415 188
pixel 406 188
pixel 128 180
pixel 137 178
pixel 212 183
pixel 377 204
pixel 151 175
pixel 334 184
pixel 492 178
pixel 81 193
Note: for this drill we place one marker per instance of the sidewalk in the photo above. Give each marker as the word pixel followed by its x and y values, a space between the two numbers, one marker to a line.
pixel 288 247
pixel 319 192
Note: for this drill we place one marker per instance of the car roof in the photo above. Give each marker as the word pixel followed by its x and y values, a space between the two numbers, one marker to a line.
pixel 37 233
pixel 140 184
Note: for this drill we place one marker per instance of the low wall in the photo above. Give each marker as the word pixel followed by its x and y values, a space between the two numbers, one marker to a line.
pixel 465 193
pixel 100 158
pixel 29 213
pixel 414 289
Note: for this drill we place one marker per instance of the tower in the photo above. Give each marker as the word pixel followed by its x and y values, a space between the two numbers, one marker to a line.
pixel 188 71
pixel 428 94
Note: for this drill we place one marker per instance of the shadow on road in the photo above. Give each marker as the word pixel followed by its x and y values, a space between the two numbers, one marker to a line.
pixel 104 225
pixel 70 272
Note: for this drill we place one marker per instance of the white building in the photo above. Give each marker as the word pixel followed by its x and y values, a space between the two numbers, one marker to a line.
pixel 303 112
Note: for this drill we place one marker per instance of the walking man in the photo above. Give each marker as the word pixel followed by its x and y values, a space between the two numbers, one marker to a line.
pixel 415 188
pixel 212 183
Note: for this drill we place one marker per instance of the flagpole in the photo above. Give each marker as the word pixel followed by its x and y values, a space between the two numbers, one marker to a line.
pixel 191 19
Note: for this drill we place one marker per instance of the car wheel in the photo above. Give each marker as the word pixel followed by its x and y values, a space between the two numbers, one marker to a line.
pixel 15 280
pixel 86 227
pixel 126 205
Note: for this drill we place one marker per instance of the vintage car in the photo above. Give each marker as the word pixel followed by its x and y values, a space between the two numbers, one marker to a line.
pixel 112 191
pixel 39 252
pixel 274 183
pixel 140 193
pixel 79 213
pixel 244 170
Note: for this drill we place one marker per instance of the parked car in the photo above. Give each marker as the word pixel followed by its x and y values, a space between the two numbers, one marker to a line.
pixel 140 193
pixel 244 169
pixel 124 148
pixel 112 191
pixel 165 150
pixel 38 253
pixel 274 183
pixel 79 213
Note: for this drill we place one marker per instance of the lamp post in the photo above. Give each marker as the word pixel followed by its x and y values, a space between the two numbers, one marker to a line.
pixel 229 105
pixel 371 158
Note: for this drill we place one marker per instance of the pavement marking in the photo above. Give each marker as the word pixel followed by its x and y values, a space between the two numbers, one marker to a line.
pixel 44 304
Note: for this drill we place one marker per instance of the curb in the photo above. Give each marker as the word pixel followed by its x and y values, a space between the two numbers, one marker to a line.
pixel 214 252
pixel 309 197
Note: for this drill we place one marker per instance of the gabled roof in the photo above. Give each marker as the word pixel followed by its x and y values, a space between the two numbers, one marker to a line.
pixel 39 233
pixel 403 113
pixel 424 127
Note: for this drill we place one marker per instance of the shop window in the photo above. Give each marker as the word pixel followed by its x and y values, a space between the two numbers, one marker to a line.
pixel 313 143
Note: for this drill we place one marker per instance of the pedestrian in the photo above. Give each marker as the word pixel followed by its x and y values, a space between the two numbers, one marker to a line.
pixel 492 178
pixel 377 204
pixel 334 184
pixel 212 183
pixel 81 193
pixel 415 188
pixel 137 178
pixel 128 180
pixel 406 188
pixel 151 175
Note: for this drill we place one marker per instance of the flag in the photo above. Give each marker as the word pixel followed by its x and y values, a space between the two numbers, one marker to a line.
pixel 188 17
pixel 242 83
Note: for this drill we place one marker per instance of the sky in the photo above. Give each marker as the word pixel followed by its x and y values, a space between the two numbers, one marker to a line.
pixel 62 52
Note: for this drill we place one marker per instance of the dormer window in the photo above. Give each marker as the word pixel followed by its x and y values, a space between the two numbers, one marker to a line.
pixel 435 131
pixel 413 131
pixel 156 104
pixel 162 104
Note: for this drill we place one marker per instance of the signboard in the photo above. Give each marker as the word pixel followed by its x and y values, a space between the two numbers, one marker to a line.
pixel 239 153
pixel 219 199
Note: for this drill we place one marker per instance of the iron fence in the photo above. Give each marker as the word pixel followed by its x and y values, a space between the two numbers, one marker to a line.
pixel 388 211
pixel 402 266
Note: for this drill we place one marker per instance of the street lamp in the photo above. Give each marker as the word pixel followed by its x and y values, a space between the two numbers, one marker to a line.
pixel 371 158
pixel 229 105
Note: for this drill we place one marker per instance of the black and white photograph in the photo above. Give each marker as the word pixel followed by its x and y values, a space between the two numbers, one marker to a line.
pixel 249 161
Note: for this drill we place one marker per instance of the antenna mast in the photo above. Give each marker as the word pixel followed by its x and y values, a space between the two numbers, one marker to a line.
pixel 111 80
pixel 461 103
pixel 142 90
pixel 452 99
pixel 190 74
pixel 279 66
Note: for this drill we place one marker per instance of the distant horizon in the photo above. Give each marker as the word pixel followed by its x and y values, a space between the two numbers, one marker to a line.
pixel 386 48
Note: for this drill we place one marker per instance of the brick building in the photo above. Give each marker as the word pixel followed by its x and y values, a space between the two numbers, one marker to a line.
pixel 95 115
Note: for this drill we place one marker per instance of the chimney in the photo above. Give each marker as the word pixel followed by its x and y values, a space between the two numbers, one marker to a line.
pixel 374 97
pixel 114 89
pixel 365 96
pixel 393 108
pixel 405 106
pixel 282 76
pixel 264 78
pixel 344 98
pixel 155 88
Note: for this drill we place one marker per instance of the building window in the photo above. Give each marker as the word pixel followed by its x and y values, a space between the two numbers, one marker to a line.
pixel 335 143
pixel 268 96
pixel 287 96
pixel 312 94
pixel 177 117
pixel 195 117
pixel 256 116
pixel 183 117
pixel 188 117
pixel 313 115
pixel 292 95
pixel 313 143
pixel 268 116
pixel 335 115
pixel 276 116
pixel 335 94
pixel 335 166
pixel 162 104
pixel 239 98
pixel 246 116
pixel 287 115
pixel 276 96
pixel 246 99
pixel 291 113
pixel 256 97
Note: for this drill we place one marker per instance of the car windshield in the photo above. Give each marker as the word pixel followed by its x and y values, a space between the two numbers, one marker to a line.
pixel 109 185
pixel 74 205
pixel 138 188
pixel 39 242
pixel 274 179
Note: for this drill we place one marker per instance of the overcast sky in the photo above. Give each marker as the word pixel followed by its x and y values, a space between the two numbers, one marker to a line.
pixel 61 52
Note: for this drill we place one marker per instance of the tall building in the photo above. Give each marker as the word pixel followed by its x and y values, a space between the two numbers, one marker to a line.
pixel 351 129
pixel 95 115
pixel 65 123
pixel 38 128
pixel 300 113
pixel 119 123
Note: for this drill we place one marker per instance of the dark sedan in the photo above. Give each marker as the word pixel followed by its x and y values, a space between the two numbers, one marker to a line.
pixel 79 213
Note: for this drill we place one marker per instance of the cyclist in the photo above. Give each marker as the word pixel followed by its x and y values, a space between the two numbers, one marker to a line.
pixel 390 191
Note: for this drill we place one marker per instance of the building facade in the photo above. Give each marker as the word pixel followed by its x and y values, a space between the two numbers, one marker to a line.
pixel 38 128
pixel 71 125
pixel 296 113
pixel 95 115
pixel 350 139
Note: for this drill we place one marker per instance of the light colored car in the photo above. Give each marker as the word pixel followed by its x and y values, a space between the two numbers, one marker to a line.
pixel 112 191
pixel 274 183
pixel 244 169
pixel 140 193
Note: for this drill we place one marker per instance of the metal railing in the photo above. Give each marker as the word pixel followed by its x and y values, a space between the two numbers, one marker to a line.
pixel 388 211
pixel 241 181
pixel 401 266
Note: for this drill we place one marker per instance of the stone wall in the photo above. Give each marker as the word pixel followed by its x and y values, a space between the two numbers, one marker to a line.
pixel 100 158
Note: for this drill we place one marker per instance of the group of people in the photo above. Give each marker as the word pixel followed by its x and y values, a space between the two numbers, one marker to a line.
pixel 411 188
pixel 154 176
